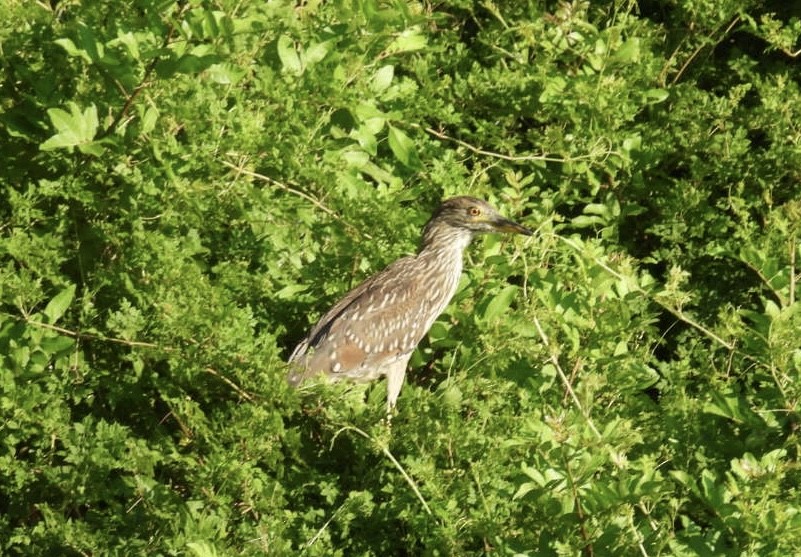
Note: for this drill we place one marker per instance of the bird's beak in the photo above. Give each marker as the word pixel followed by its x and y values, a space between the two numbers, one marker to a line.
pixel 505 225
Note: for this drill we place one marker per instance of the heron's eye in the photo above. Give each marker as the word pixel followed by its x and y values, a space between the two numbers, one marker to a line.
pixel 474 211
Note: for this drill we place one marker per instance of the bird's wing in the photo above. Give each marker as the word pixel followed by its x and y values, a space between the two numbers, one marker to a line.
pixel 380 320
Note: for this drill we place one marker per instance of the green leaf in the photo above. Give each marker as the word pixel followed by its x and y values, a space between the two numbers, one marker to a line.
pixel 553 90
pixel 711 489
pixel 524 489
pixel 131 43
pixel 656 96
pixel 585 221
pixel 202 549
pixel 356 159
pixel 628 52
pixel 72 49
pixel 315 53
pixel 75 128
pixel 56 344
pixel 500 303
pixel 403 147
pixel 382 79
pixel 729 405
pixel 149 119
pixel 366 138
pixel 290 291
pixel 365 111
pixel 289 56
pixel 225 74
pixel 409 40
pixel 59 304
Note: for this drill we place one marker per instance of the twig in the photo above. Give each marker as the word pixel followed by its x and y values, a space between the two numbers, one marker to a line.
pixel 792 270
pixel 766 280
pixel 88 336
pixel 698 50
pixel 294 191
pixel 577 366
pixel 678 314
pixel 231 384
pixel 142 84
pixel 675 312
pixel 319 533
pixel 133 505
pixel 515 158
pixel 585 536
pixel 555 361
pixel 392 459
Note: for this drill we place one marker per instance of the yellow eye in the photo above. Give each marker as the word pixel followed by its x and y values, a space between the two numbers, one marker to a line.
pixel 474 211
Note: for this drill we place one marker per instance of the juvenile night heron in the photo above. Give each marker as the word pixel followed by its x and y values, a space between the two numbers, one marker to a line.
pixel 375 328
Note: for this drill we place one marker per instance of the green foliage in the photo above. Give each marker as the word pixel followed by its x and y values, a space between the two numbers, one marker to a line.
pixel 187 186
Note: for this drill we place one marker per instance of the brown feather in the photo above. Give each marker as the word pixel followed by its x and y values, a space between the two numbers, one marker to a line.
pixel 374 328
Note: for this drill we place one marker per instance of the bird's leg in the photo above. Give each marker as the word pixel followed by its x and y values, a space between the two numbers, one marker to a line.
pixel 390 409
pixel 394 384
pixel 395 375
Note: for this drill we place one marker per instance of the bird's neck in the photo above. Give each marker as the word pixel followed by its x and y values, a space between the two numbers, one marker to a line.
pixel 440 257
pixel 443 238
pixel 445 241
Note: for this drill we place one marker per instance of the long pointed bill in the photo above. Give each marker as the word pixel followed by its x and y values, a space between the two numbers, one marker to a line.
pixel 506 225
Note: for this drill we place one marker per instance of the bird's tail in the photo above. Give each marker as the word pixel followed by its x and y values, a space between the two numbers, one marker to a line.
pixel 297 363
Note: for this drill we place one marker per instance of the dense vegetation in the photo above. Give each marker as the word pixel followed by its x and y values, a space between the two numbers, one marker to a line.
pixel 186 186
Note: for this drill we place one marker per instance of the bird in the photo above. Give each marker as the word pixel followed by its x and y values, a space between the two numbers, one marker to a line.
pixel 373 330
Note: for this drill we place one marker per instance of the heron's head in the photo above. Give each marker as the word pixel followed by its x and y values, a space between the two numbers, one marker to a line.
pixel 474 215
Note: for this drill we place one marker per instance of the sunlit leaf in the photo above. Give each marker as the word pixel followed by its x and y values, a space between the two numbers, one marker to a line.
pixel 289 55
pixel 382 79
pixel 402 147
pixel 59 304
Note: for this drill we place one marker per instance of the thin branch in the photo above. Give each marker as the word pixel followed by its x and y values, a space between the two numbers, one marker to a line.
pixel 675 312
pixel 681 316
pixel 792 270
pixel 587 549
pixel 555 361
pixel 133 505
pixel 698 50
pixel 406 476
pixel 577 366
pixel 87 336
pixel 297 192
pixel 231 384
pixel 778 381
pixel 662 79
pixel 142 84
pixel 322 529
pixel 766 281
pixel 516 158
pixel 391 457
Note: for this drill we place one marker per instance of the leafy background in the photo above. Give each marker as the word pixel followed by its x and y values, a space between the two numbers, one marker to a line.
pixel 188 185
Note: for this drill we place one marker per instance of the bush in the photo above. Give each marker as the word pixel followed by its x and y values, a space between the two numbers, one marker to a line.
pixel 188 186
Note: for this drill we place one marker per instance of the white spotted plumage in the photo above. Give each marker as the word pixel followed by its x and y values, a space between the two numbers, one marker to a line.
pixel 374 329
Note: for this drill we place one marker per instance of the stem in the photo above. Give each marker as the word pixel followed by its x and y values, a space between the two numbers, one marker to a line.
pixel 391 457
pixel 555 361
pixel 241 392
pixel 297 192
pixel 587 549
pixel 142 84
pixel 516 158
pixel 675 312
pixel 792 270
pixel 698 50
pixel 87 336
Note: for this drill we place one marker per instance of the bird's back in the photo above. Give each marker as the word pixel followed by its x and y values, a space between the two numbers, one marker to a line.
pixel 377 325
